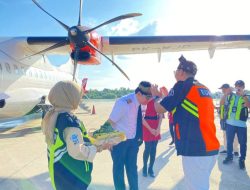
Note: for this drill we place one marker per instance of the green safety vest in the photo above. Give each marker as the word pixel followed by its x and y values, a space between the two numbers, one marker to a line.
pixel 241 111
pixel 222 108
pixel 58 153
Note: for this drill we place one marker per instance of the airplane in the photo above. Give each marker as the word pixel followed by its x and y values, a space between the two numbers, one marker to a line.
pixel 26 75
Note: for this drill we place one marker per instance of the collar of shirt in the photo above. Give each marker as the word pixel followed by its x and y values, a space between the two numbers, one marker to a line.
pixel 137 104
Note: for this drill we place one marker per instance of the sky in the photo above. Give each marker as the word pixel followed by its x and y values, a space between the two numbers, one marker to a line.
pixel 160 17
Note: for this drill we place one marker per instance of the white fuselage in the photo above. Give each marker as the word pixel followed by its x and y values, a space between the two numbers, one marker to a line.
pixel 26 84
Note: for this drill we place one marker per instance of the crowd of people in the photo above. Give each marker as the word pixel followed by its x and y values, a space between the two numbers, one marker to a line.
pixel 234 114
pixel 190 110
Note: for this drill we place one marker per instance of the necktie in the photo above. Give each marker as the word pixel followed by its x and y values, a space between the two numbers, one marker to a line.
pixel 139 124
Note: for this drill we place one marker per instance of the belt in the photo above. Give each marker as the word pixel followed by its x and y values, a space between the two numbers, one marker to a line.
pixel 151 117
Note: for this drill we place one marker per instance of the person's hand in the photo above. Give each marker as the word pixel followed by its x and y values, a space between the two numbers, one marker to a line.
pixel 154 90
pixel 104 146
pixel 158 131
pixel 107 146
pixel 164 91
pixel 99 148
pixel 152 131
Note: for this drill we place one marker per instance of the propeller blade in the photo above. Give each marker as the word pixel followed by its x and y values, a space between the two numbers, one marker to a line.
pixel 75 63
pixel 115 19
pixel 62 24
pixel 80 14
pixel 57 45
pixel 92 46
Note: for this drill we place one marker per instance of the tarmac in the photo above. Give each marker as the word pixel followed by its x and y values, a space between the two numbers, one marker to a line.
pixel 24 162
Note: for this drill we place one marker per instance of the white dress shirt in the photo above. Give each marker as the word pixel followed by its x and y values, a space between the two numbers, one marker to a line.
pixel 124 115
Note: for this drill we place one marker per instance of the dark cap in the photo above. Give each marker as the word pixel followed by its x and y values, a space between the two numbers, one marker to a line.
pixel 240 83
pixel 144 88
pixel 187 66
pixel 225 86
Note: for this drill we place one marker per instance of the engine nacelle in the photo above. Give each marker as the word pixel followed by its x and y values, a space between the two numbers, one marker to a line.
pixel 87 55
pixel 85 58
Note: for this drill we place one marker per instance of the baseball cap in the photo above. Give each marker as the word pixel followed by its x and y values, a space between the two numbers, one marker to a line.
pixel 187 66
pixel 239 83
pixel 145 88
pixel 225 86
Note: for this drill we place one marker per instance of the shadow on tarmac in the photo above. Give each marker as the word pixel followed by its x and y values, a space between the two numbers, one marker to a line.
pixel 161 161
pixel 20 133
pixel 230 179
pixel 39 182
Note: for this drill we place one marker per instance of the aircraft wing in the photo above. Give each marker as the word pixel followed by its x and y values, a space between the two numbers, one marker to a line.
pixel 159 44
pixel 19 47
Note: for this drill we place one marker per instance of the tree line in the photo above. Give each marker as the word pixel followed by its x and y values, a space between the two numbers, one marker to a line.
pixel 116 93
pixel 108 93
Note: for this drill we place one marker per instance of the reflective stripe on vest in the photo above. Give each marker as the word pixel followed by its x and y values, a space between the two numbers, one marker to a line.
pixel 238 107
pixel 222 109
pixel 190 107
pixel 52 150
pixel 173 111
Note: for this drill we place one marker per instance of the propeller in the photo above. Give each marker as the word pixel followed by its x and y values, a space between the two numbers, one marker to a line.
pixel 61 23
pixel 79 37
pixel 92 46
pixel 57 45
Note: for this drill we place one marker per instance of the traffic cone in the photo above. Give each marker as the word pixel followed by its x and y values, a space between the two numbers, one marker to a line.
pixel 93 110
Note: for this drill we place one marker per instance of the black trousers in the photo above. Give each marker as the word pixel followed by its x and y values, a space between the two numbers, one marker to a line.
pixel 125 155
pixel 150 151
pixel 171 129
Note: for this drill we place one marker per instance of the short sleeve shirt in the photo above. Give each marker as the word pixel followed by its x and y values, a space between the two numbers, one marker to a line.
pixel 124 115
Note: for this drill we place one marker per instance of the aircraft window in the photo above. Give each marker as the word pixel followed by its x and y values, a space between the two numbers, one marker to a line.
pixel 35 73
pixel 16 69
pixel 30 73
pixel 44 75
pixel 40 74
pixel 23 70
pixel 8 67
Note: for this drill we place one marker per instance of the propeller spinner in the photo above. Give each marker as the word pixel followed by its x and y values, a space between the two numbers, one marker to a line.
pixel 79 36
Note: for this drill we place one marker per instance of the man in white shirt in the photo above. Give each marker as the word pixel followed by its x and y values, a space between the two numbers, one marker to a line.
pixel 126 117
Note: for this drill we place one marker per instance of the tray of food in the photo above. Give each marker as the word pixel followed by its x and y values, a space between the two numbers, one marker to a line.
pixel 106 134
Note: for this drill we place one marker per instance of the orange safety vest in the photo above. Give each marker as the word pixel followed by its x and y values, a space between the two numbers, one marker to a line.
pixel 194 123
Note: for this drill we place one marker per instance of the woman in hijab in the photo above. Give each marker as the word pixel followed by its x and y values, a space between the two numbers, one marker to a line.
pixel 70 153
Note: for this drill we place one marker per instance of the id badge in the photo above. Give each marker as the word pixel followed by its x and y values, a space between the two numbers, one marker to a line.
pixel 234 109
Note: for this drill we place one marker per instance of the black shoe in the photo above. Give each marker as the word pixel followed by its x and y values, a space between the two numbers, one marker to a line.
pixel 144 174
pixel 172 142
pixel 236 154
pixel 223 152
pixel 151 174
pixel 242 164
pixel 228 160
